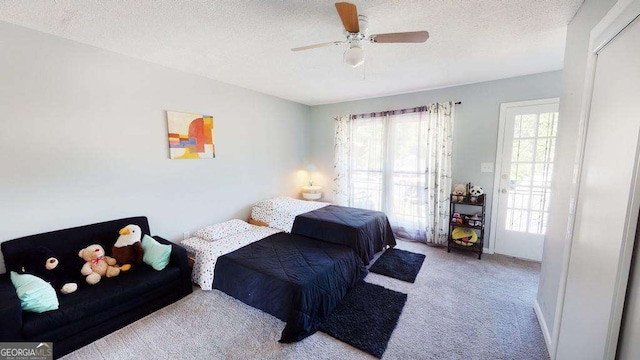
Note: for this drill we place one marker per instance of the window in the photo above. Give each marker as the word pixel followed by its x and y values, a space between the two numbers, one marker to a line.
pixel 398 162
pixel 367 163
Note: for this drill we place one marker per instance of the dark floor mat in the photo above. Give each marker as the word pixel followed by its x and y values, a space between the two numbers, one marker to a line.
pixel 366 317
pixel 398 264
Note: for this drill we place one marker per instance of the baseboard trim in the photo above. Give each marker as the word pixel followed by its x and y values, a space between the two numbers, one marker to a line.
pixel 487 251
pixel 543 325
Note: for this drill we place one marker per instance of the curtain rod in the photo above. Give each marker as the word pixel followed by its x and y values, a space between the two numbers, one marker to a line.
pixel 394 112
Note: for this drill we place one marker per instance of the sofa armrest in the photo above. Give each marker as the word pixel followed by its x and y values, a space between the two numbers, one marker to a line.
pixel 10 311
pixel 179 258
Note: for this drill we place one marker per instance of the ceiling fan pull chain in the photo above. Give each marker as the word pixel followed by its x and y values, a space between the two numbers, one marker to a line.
pixel 364 71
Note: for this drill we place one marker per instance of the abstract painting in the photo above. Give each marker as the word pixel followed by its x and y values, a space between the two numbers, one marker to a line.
pixel 190 136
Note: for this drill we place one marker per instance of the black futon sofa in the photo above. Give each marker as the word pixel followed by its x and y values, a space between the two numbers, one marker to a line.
pixel 93 311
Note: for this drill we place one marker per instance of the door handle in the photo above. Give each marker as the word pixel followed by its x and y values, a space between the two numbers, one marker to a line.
pixel 504 191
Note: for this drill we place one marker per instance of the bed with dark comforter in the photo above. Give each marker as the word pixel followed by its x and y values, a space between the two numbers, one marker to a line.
pixel 365 231
pixel 294 278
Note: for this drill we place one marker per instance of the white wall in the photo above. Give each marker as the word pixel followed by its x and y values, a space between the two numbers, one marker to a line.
pixel 475 124
pixel 84 139
pixel 573 81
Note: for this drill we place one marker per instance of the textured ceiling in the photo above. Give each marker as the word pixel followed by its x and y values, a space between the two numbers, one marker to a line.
pixel 247 42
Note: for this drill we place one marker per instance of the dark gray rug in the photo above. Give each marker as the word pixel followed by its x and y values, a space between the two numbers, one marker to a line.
pixel 399 264
pixel 366 317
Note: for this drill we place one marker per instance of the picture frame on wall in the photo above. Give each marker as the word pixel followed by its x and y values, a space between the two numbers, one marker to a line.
pixel 191 136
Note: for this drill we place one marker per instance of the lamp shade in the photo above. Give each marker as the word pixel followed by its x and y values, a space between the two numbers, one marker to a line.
pixel 354 55
pixel 311 167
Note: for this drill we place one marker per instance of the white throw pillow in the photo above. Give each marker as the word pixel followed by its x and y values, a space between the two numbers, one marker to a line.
pixel 222 230
pixel 274 203
pixel 289 205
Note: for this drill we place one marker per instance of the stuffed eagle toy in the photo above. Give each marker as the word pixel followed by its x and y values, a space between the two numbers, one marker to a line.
pixel 128 249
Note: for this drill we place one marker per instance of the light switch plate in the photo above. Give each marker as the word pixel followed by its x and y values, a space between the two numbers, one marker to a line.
pixel 486 167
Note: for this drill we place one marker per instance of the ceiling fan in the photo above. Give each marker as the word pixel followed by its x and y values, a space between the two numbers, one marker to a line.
pixel 355 29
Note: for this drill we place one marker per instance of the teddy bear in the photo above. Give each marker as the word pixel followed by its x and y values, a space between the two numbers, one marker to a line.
pixel 475 191
pixel 97 264
pixel 457 218
pixel 128 249
pixel 459 192
pixel 43 263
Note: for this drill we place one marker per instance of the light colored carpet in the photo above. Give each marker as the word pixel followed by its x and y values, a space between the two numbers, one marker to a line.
pixel 458 308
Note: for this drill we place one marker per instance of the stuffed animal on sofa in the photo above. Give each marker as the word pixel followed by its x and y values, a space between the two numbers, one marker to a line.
pixel 128 249
pixel 43 263
pixel 459 192
pixel 97 264
pixel 475 191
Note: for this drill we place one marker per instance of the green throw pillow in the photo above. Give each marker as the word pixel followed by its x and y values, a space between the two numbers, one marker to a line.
pixel 35 294
pixel 156 255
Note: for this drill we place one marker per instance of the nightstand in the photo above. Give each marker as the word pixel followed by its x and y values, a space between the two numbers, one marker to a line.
pixel 311 192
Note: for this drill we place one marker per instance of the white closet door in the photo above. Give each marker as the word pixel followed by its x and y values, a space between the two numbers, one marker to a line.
pixel 604 215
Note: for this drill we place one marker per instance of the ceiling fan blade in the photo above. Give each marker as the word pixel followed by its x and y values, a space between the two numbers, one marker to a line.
pixel 317 45
pixel 349 16
pixel 404 37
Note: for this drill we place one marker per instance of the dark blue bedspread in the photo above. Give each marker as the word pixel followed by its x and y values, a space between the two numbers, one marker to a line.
pixel 365 231
pixel 294 278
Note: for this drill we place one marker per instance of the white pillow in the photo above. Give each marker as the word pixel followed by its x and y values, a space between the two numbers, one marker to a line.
pixel 289 205
pixel 222 230
pixel 274 203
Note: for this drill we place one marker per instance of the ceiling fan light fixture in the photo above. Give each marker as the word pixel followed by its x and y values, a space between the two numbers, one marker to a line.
pixel 354 55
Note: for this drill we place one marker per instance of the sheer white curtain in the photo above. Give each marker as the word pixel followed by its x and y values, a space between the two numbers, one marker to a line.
pixel 438 170
pixel 367 163
pixel 399 162
pixel 342 160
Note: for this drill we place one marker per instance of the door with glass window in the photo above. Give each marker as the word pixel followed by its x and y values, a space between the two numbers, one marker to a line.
pixel 524 184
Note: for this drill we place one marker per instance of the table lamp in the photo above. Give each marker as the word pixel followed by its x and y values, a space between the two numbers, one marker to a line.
pixel 311 168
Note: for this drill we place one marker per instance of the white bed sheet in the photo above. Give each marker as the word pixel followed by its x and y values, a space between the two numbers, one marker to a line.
pixel 281 212
pixel 207 252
